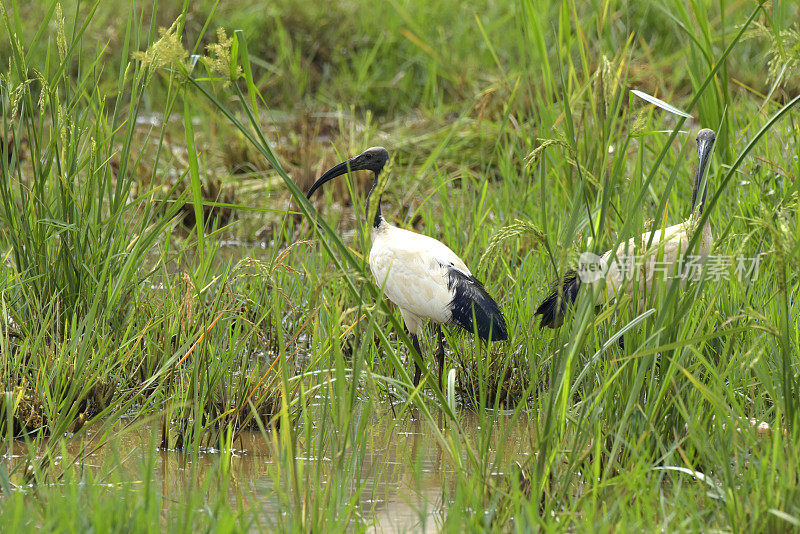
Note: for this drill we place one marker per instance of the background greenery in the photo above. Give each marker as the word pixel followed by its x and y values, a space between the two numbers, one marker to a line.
pixel 516 141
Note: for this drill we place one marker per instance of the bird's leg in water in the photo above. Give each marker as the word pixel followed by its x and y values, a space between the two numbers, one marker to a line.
pixel 440 352
pixel 417 369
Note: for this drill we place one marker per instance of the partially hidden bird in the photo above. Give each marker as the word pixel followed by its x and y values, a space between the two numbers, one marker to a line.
pixel 422 276
pixel 624 272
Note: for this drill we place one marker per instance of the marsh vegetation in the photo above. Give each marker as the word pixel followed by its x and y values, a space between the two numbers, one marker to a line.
pixel 187 343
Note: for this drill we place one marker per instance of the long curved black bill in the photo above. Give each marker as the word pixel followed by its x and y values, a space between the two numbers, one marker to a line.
pixel 705 146
pixel 329 175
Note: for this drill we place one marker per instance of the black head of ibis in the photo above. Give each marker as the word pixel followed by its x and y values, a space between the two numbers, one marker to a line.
pixel 372 159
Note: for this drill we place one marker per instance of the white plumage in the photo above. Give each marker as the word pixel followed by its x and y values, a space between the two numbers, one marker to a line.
pixel 413 270
pixel 635 263
pixel 666 249
pixel 421 275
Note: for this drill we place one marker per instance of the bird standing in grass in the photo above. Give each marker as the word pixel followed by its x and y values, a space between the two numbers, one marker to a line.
pixel 421 275
pixel 668 246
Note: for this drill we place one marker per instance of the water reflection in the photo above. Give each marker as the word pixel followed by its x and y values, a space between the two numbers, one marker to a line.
pixel 398 470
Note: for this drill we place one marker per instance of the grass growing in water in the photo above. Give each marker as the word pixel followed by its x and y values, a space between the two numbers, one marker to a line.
pixel 113 317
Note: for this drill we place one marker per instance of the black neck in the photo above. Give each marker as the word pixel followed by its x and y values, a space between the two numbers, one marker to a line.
pixel 704 148
pixel 702 199
pixel 378 218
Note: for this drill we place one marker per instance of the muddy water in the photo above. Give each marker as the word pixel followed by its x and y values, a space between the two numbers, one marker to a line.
pixel 398 470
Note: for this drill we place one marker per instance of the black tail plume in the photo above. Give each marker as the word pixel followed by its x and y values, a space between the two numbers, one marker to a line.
pixel 472 300
pixel 554 307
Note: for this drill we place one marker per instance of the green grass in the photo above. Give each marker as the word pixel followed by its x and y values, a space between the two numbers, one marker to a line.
pixel 513 131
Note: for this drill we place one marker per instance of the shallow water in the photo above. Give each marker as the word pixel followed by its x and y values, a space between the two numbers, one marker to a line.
pixel 398 471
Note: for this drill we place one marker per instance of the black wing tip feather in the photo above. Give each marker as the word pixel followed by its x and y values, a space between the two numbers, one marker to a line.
pixel 472 300
pixel 554 307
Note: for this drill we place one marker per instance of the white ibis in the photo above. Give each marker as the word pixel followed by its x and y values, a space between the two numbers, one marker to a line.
pixel 672 241
pixel 421 275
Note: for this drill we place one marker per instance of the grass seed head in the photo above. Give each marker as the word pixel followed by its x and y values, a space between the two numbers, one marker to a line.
pixel 219 58
pixel 61 36
pixel 166 51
